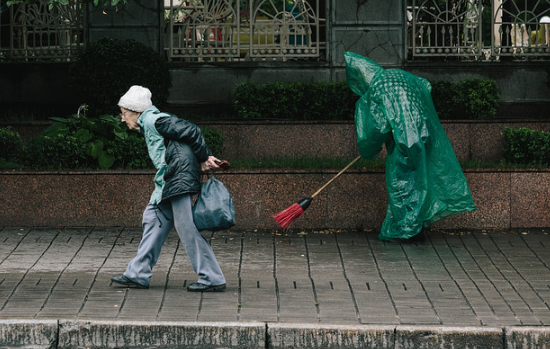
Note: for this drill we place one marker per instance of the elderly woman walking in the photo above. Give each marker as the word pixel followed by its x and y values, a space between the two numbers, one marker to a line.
pixel 178 150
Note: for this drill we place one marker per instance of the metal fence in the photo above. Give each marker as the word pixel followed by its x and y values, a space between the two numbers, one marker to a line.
pixel 32 32
pixel 472 30
pixel 264 30
pixel 233 30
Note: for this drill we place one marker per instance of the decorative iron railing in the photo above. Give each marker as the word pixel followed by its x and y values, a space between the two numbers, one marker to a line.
pixel 233 30
pixel 466 29
pixel 31 32
pixel 262 30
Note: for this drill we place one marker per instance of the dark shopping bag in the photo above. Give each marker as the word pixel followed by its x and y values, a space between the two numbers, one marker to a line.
pixel 214 209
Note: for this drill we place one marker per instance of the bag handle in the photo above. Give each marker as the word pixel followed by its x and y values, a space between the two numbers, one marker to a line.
pixel 207 175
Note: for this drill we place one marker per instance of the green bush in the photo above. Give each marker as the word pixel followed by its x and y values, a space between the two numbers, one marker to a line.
pixel 106 69
pixel 93 133
pixel 247 101
pixel 480 98
pixel 213 139
pixel 80 142
pixel 329 101
pixel 445 99
pixel 59 151
pixel 11 145
pixel 130 152
pixel 527 147
pixel 467 99
pixel 294 100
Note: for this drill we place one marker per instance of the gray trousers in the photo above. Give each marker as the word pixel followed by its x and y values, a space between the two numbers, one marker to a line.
pixel 158 221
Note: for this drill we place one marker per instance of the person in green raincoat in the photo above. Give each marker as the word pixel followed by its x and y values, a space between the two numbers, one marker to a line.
pixel 424 180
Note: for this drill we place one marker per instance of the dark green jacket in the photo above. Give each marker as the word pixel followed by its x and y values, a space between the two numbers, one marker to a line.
pixel 176 148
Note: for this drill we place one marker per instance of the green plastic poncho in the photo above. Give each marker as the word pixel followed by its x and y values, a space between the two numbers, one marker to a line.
pixel 423 177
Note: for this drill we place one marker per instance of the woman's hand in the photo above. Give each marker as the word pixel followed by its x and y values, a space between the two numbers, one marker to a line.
pixel 210 164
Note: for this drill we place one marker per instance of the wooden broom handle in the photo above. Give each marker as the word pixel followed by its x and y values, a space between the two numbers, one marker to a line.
pixel 333 178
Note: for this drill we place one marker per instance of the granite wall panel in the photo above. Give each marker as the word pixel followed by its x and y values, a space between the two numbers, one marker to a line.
pixel 357 199
pixel 530 194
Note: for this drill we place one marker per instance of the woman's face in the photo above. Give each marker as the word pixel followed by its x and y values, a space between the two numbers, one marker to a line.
pixel 130 118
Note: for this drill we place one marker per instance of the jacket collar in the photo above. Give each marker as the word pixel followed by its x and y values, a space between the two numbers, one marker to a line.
pixel 151 109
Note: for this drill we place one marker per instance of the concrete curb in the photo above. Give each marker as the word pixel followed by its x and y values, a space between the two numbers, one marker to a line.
pixel 381 337
pixel 527 337
pixel 116 334
pixel 30 334
pixel 329 336
pixel 448 337
pixel 92 334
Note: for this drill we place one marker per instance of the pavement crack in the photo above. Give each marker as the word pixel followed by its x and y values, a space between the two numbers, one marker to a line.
pixel 460 262
pixel 520 274
pixel 315 297
pixel 85 300
pixel 52 288
pixel 460 289
pixel 27 271
pixel 377 265
pixel 163 299
pixel 480 266
pixel 277 295
pixel 354 299
pixel 201 299
pixel 240 293
pixel 22 237
pixel 426 294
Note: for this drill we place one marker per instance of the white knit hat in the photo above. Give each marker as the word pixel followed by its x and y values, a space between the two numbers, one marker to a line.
pixel 138 98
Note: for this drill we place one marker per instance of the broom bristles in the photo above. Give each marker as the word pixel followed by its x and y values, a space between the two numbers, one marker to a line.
pixel 284 218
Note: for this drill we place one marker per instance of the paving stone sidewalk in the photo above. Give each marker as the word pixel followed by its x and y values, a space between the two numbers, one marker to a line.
pixel 456 278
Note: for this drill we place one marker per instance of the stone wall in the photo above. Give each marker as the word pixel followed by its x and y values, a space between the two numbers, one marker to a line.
pixel 357 199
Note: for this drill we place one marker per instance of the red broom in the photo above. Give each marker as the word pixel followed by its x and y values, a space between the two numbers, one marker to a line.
pixel 284 218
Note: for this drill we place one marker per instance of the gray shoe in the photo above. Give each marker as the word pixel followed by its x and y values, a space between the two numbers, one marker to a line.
pixel 123 280
pixel 198 287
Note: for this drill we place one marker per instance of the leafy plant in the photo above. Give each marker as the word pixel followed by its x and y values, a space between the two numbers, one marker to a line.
pixel 79 142
pixel 93 133
pixel 106 69
pixel 11 144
